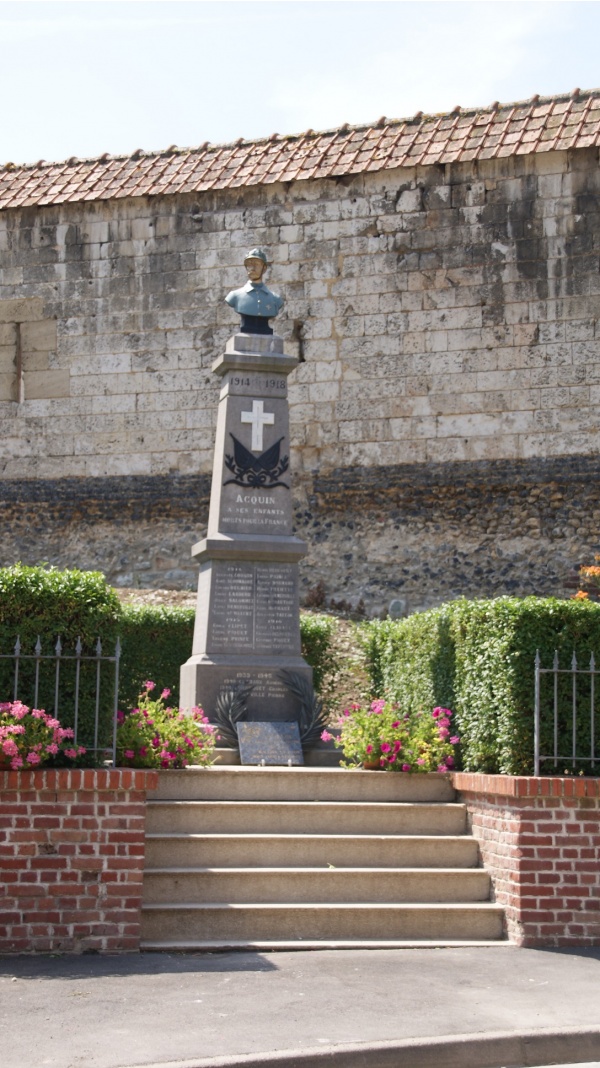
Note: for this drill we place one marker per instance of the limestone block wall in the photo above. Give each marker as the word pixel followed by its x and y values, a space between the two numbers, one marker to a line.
pixel 444 415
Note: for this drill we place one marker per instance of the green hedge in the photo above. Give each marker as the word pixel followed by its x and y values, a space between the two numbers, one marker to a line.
pixel 47 603
pixel 155 640
pixel 477 657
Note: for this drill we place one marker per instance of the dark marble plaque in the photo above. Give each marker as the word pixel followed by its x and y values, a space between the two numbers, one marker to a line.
pixel 273 743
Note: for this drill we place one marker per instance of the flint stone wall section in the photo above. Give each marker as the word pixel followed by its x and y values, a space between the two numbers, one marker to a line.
pixel 448 320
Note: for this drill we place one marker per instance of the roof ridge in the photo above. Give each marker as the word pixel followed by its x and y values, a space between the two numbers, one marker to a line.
pixel 419 119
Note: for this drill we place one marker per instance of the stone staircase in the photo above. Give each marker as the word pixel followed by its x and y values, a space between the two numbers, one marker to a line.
pixel 282 858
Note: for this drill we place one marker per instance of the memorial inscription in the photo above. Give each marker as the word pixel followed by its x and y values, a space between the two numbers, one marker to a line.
pixel 252 608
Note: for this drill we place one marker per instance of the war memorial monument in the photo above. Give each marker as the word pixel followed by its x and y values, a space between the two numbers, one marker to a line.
pixel 246 647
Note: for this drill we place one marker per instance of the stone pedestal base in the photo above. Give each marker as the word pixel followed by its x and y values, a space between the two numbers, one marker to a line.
pixel 203 678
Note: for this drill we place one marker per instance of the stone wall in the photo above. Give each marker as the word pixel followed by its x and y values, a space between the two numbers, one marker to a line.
pixel 444 415
pixel 539 840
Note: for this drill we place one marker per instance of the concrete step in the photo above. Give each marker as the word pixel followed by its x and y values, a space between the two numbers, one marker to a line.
pixel 313 817
pixel 190 922
pixel 299 784
pixel 349 885
pixel 311 850
pixel 313 758
pixel 184 945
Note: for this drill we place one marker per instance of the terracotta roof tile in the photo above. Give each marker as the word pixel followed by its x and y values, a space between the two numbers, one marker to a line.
pixel 539 125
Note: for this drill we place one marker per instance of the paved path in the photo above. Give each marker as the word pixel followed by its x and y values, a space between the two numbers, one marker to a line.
pixel 108 1012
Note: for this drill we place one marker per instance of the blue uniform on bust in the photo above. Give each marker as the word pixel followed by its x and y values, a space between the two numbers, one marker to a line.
pixel 254 302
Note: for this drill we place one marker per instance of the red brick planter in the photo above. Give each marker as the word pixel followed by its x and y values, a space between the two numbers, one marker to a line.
pixel 540 841
pixel 71 859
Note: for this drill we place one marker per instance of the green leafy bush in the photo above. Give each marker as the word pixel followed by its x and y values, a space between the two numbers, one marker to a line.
pixel 477 658
pixel 155 641
pixel 46 603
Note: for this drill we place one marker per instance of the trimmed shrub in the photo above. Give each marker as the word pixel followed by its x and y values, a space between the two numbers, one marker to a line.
pixel 46 603
pixel 155 639
pixel 477 657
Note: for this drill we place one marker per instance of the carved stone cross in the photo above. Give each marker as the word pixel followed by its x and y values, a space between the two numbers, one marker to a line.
pixel 258 419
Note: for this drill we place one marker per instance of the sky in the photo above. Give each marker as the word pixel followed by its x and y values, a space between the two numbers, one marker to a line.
pixel 85 77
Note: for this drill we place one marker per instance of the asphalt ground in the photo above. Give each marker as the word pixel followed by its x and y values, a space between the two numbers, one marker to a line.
pixel 149 1009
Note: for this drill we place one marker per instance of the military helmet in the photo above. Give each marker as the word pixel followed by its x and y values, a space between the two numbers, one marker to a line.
pixel 257 254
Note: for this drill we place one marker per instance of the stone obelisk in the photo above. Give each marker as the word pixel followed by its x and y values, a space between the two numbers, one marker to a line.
pixel 247 619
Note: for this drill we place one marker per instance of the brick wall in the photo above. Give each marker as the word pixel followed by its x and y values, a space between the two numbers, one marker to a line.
pixel 540 840
pixel 447 319
pixel 71 859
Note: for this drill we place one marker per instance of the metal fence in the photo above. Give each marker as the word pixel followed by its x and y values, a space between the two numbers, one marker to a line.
pixel 101 714
pixel 573 723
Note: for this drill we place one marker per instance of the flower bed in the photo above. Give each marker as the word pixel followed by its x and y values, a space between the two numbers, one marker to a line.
pixel 380 735
pixel 30 737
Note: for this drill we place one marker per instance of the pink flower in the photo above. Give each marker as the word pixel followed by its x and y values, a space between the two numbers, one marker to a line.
pixel 397 746
pixel 385 747
pixel 149 686
pixel 16 762
pixel 369 749
pixel 52 749
pixel 443 732
pixel 10 748
pixel 395 724
pixel 120 717
pixel 33 758
pixel 129 753
pixel 70 753
pixel 450 761
pixel 406 767
pixel 166 693
pixel 436 713
pixel 391 758
pixel 326 736
pixel 143 750
pixel 454 740
pixel 421 761
pixel 442 767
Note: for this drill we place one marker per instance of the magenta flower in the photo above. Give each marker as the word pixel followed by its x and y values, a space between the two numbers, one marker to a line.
pixel 385 747
pixel 395 724
pixel 70 753
pixel 397 746
pixel 406 767
pixel 454 740
pixel 52 749
pixel 450 761
pixel 369 749
pixel 16 762
pixel 129 753
pixel 326 736
pixel 33 758
pixel 149 686
pixel 120 717
pixel 165 694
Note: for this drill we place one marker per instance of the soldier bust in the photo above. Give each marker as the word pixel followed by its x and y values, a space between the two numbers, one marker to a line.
pixel 254 302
